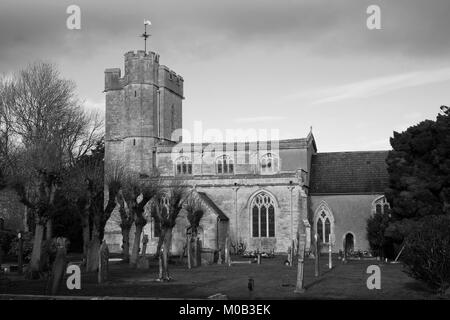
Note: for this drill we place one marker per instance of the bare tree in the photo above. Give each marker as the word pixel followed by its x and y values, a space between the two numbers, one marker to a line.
pixel 47 131
pixel 166 208
pixel 133 196
pixel 194 210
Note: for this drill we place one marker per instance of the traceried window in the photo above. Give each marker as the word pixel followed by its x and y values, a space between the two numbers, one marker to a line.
pixel 381 205
pixel 224 165
pixel 324 221
pixel 263 216
pixel 183 166
pixel 269 163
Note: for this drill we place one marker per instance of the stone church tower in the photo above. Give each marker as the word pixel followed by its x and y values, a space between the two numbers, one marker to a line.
pixel 143 109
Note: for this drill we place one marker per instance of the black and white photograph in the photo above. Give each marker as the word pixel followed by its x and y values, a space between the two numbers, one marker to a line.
pixel 206 150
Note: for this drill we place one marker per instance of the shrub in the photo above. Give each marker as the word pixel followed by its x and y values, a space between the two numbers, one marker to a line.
pixel 427 252
pixel 27 246
pixel 5 241
pixel 376 235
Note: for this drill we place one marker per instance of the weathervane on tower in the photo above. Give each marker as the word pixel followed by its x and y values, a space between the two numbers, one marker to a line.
pixel 145 35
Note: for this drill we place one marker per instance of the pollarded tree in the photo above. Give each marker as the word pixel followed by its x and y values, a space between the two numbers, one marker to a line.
pixel 165 209
pixel 133 196
pixel 48 131
pixel 194 212
pixel 419 171
pixel 84 185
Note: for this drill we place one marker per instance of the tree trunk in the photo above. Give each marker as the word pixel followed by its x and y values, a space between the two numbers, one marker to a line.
pixel 92 255
pixel 49 230
pixel 160 243
pixel 126 243
pixel 86 238
pixel 166 245
pixel 189 254
pixel 37 251
pixel 136 244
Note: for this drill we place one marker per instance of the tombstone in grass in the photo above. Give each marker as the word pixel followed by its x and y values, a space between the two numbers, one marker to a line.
pixel 317 255
pixel 330 258
pixel 227 252
pixel 299 288
pixel 103 262
pixel 198 252
pixel 143 260
pixel 20 253
pixel 59 265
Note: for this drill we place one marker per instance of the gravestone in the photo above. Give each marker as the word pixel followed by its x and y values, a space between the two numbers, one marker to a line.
pixel 198 252
pixel 59 265
pixel 227 252
pixel 103 259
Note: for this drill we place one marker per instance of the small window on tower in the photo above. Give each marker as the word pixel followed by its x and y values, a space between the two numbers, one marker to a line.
pixel 135 93
pixel 134 142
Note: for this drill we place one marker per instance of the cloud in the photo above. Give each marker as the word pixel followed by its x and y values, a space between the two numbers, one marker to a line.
pixel 259 119
pixel 327 27
pixel 372 87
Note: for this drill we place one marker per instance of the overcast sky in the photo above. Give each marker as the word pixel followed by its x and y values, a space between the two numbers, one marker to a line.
pixel 280 64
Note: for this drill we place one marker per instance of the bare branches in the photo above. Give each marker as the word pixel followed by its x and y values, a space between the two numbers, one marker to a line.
pixel 194 209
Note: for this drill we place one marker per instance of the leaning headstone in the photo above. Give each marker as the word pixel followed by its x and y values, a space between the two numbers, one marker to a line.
pixel 103 262
pixel 59 265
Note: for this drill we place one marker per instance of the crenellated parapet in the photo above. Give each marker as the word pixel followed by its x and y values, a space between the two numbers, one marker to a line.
pixel 170 80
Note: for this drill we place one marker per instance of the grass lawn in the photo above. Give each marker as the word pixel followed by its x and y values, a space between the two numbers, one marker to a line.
pixel 272 280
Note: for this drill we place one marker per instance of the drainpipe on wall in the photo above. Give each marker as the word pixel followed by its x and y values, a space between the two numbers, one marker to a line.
pixel 291 188
pixel 217 234
pixel 236 188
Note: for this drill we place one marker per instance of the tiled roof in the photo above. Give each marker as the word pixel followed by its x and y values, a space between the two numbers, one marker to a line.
pixel 213 206
pixel 349 172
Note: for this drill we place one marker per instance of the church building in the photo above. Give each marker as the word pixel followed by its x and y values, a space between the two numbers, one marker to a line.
pixel 253 192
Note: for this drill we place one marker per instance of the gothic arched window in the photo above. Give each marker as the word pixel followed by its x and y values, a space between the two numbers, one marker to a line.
pixel 183 166
pixel 269 163
pixel 381 205
pixel 224 165
pixel 324 224
pixel 263 216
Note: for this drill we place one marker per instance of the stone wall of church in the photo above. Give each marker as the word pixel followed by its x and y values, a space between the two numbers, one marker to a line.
pixel 235 202
pixel 245 162
pixel 350 213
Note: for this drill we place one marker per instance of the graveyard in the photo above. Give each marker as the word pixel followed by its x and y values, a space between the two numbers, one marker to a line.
pixel 271 279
